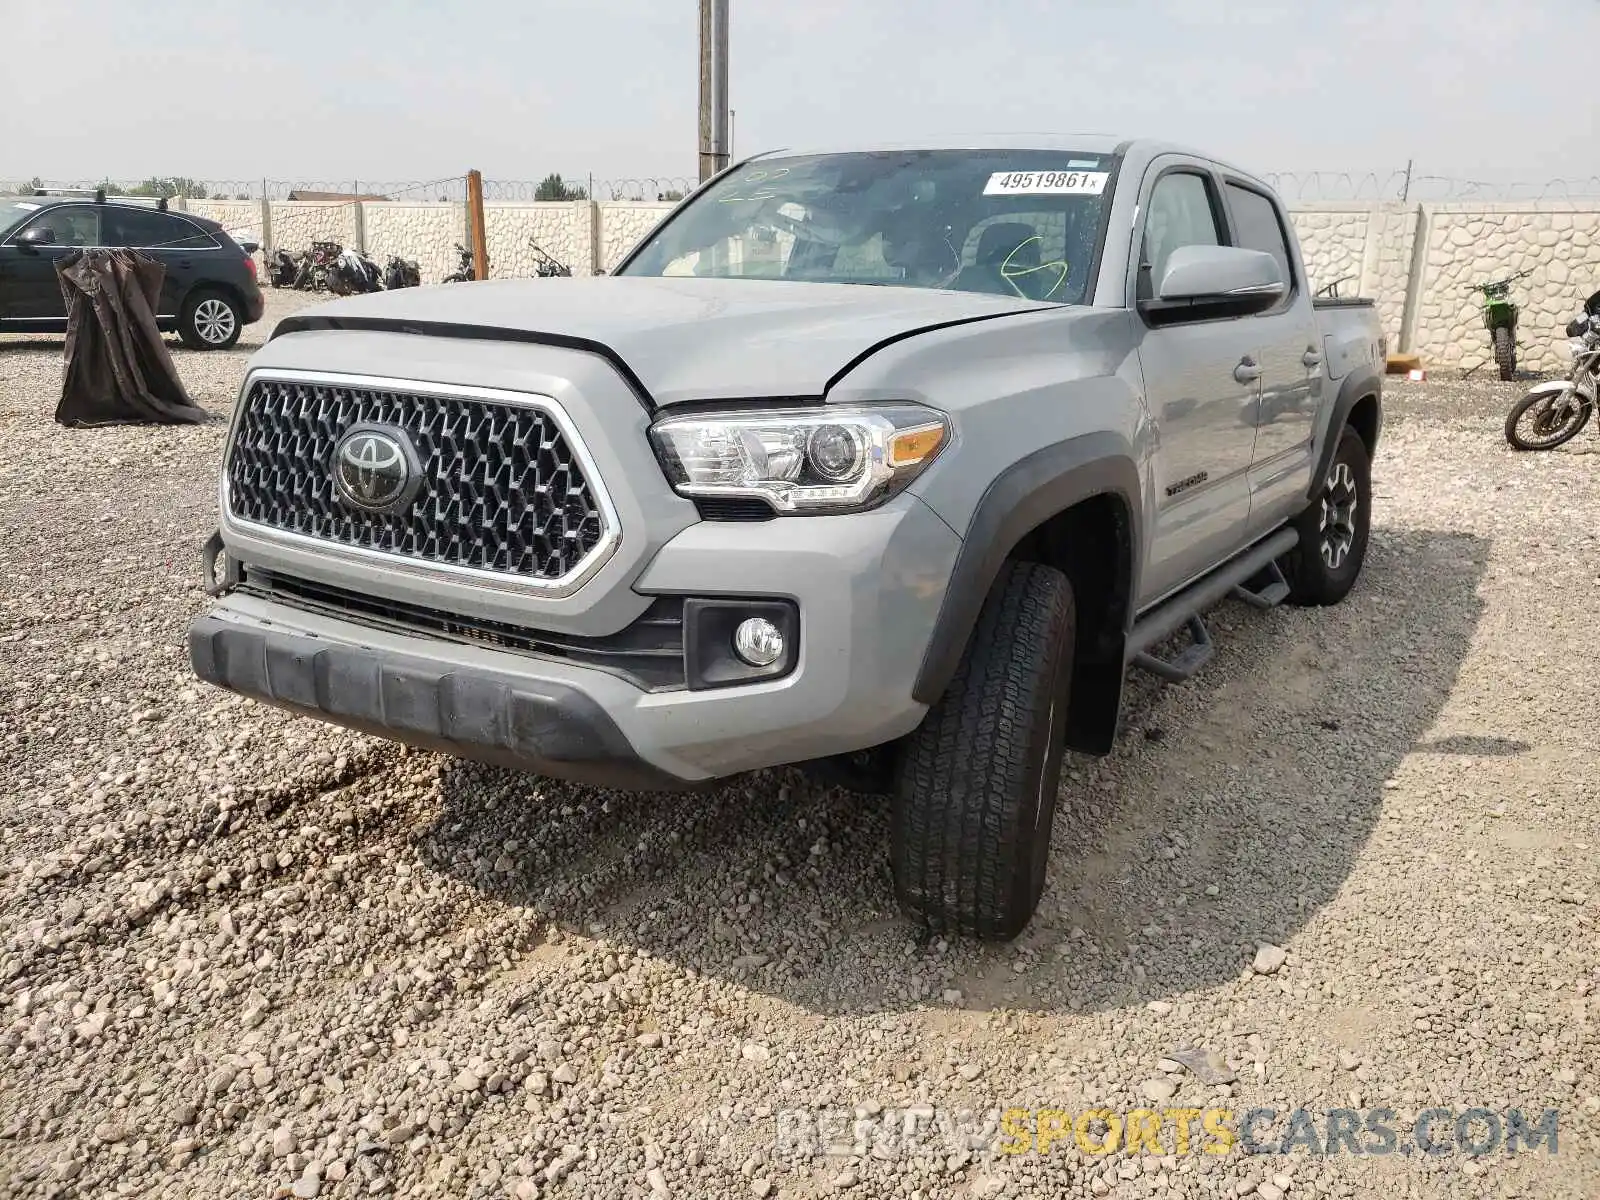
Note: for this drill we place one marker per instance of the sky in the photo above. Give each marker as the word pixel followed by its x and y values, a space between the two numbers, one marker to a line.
pixel 398 90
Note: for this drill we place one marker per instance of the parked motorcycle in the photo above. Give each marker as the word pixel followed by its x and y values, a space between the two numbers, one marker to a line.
pixel 1500 319
pixel 1555 412
pixel 546 266
pixel 314 276
pixel 283 268
pixel 463 271
pixel 353 274
pixel 401 273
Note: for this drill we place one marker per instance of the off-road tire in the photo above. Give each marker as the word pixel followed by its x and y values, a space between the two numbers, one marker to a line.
pixel 975 787
pixel 1552 437
pixel 1505 352
pixel 1317 576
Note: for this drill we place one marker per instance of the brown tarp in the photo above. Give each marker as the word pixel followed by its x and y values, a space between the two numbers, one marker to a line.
pixel 118 369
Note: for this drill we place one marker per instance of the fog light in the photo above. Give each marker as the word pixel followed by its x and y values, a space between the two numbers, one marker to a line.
pixel 758 642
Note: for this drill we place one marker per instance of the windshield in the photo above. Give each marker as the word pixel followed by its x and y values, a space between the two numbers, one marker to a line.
pixel 1020 223
pixel 14 213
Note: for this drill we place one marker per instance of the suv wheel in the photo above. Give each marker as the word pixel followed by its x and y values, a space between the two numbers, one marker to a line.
pixel 975 795
pixel 1333 529
pixel 210 321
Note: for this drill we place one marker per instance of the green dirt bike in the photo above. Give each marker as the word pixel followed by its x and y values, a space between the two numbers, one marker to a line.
pixel 1500 319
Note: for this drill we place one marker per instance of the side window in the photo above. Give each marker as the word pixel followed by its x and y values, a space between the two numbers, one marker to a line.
pixel 1256 226
pixel 1180 214
pixel 74 224
pixel 141 227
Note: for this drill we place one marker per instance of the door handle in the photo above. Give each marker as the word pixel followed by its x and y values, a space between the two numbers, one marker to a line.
pixel 1311 358
pixel 1247 371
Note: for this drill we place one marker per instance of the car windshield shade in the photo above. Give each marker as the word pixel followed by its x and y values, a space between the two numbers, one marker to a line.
pixel 1021 223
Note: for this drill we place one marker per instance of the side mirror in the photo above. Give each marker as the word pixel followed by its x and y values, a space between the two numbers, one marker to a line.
pixel 1204 283
pixel 40 235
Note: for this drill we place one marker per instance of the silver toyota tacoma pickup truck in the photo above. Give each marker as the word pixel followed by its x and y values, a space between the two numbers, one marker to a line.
pixel 888 462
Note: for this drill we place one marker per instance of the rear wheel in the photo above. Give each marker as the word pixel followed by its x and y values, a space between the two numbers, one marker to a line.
pixel 975 792
pixel 1544 420
pixel 1333 528
pixel 210 320
pixel 1505 352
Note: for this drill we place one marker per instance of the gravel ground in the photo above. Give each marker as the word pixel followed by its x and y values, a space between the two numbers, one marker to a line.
pixel 243 954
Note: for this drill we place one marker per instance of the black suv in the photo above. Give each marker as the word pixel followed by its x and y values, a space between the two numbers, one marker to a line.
pixel 210 292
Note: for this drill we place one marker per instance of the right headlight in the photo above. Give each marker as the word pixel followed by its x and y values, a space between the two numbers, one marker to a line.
pixel 801 460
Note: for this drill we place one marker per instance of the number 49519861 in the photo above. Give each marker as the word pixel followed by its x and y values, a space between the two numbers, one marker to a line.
pixel 1046 183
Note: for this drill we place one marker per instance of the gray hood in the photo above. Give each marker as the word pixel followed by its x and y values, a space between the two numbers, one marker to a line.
pixel 681 338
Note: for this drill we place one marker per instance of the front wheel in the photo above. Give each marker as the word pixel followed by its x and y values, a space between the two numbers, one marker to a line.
pixel 975 786
pixel 1544 420
pixel 1333 528
pixel 210 320
pixel 1505 352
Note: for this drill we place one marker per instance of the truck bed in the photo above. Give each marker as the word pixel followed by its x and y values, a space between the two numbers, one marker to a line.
pixel 1351 333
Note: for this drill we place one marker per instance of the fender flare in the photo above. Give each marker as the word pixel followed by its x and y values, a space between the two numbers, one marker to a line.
pixel 1357 386
pixel 1026 494
pixel 1584 387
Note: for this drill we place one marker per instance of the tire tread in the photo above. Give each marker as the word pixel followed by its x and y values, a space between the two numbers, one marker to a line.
pixel 965 805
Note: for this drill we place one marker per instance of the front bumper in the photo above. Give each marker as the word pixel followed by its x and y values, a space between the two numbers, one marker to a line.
pixel 515 721
pixel 868 588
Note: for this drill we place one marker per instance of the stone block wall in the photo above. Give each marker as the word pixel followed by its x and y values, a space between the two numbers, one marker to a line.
pixel 564 230
pixel 298 223
pixel 1391 231
pixel 623 224
pixel 241 215
pixel 1334 246
pixel 1421 292
pixel 1475 243
pixel 425 233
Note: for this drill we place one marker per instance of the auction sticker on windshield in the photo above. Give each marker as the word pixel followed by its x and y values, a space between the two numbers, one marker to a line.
pixel 1046 183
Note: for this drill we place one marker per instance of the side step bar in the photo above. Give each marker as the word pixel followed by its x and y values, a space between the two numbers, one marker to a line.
pixel 1185 608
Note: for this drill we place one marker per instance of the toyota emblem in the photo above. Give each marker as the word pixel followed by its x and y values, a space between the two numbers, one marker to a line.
pixel 375 469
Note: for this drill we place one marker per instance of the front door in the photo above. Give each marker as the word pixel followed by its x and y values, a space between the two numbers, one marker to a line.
pixel 1202 388
pixel 1291 365
pixel 31 288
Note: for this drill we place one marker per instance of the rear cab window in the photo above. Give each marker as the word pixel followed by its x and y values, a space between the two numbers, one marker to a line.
pixel 1257 226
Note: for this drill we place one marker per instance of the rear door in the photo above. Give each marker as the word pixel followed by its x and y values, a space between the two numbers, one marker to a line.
pixel 178 243
pixel 31 289
pixel 1201 387
pixel 1288 348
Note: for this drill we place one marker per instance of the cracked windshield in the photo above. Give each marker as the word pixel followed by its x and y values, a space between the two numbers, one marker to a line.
pixel 1005 222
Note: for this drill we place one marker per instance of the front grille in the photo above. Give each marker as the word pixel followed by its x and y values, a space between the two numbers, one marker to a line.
pixel 502 489
pixel 648 652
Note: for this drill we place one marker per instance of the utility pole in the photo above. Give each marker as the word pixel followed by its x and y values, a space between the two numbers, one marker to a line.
pixel 713 87
pixel 480 241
